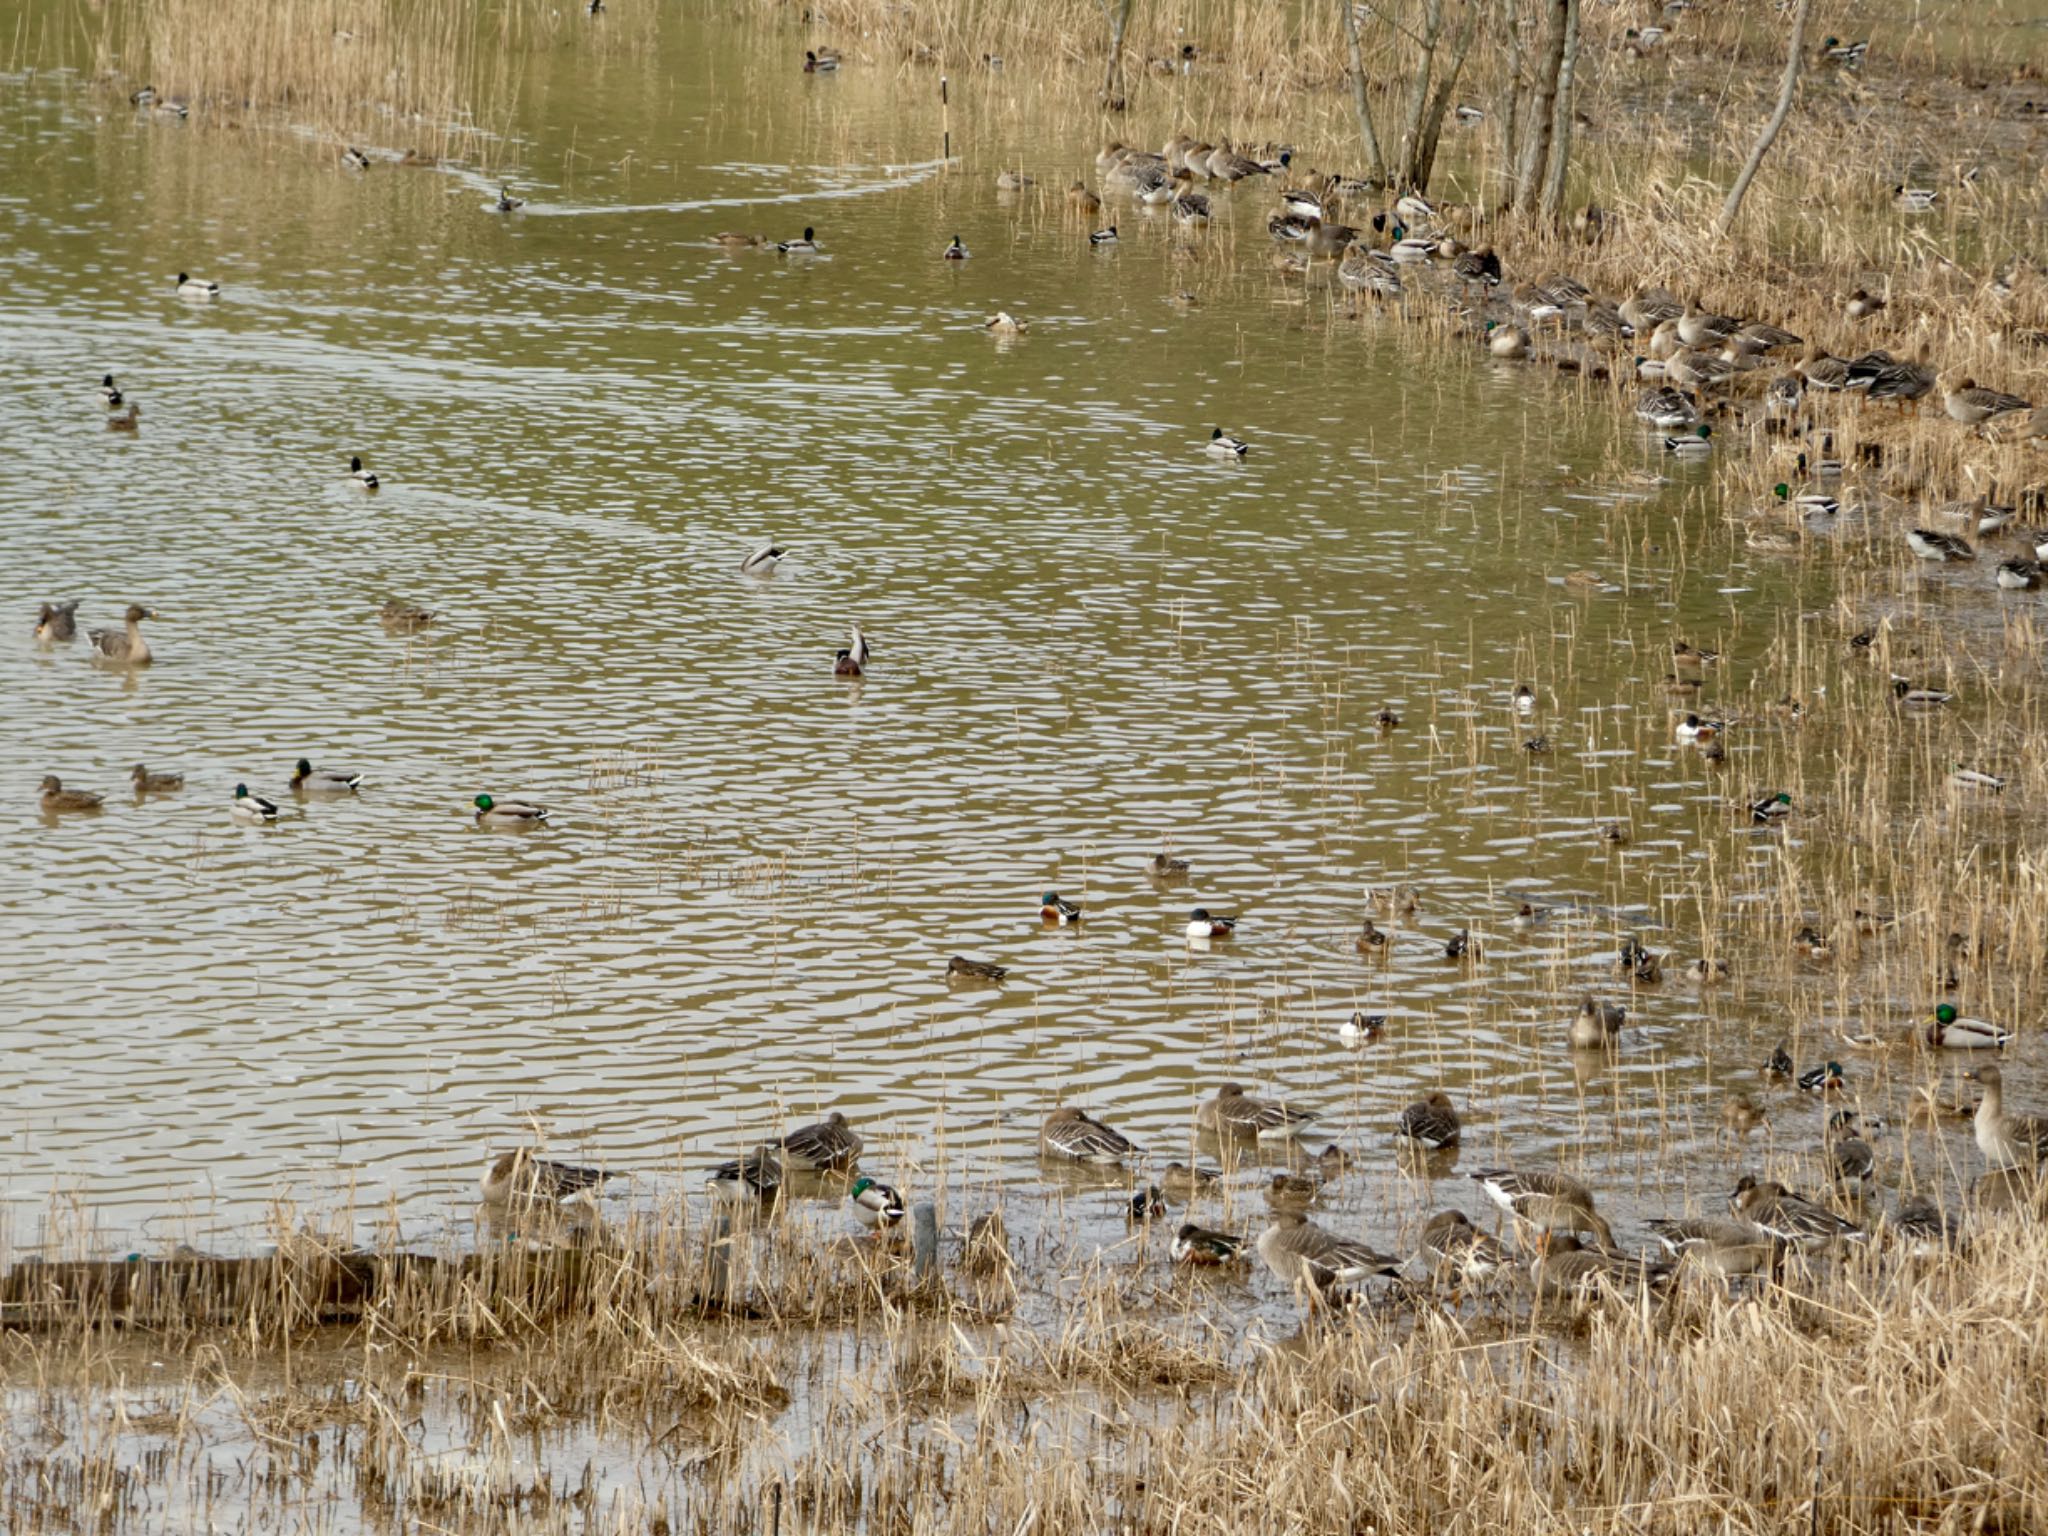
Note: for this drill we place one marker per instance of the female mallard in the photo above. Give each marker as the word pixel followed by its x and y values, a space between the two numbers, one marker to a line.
pixel 522 1177
pixel 125 646
pixel 199 290
pixel 962 969
pixel 253 809
pixel 1233 1112
pixel 754 1179
pixel 1200 1246
pixel 1789 1217
pixel 2007 1140
pixel 132 422
pixel 954 252
pixel 1307 1257
pixel 403 618
pixel 1223 446
pixel 738 240
pixel 1202 926
pixel 876 1206
pixel 1430 1122
pixel 1053 909
pixel 508 813
pixel 110 393
pixel 1183 1183
pixel 1481 267
pixel 762 561
pixel 1809 943
pixel 827 1144
pixel 308 780
pixel 147 783
pixel 1079 196
pixel 1461 946
pixel 1451 1245
pixel 1166 867
pixel 1078 1136
pixel 1370 940
pixel 57 621
pixel 360 475
pixel 1014 181
pixel 1291 1192
pixel 1597 1024
pixel 1850 1158
pixel 1394 900
pixel 807 246
pixel 1740 1114
pixel 1949 1031
pixel 1778 1063
pixel 1361 1027
pixel 1706 972
pixel 56 799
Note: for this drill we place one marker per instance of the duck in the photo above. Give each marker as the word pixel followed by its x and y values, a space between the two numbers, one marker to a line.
pixel 1080 196
pixel 360 475
pixel 1203 926
pixel 1104 236
pixel 1333 1162
pixel 1924 1229
pixel 1696 444
pixel 1079 1137
pixel 1003 323
pixel 1525 699
pixel 1861 305
pixel 146 783
pixel 1223 446
pixel 853 661
pixel 1053 909
pixel 1461 946
pixel 752 1179
pixel 1481 267
pixel 1309 1258
pixel 876 1205
pixel 1370 940
pixel 738 240
pixel 110 393
pixel 1667 408
pixel 1972 405
pixel 1450 1244
pixel 1549 1202
pixel 1706 971
pixel 955 252
pixel 1430 1122
pixel 506 202
pixel 1394 900
pixel 1770 808
pixel 1234 1112
pixel 308 780
pixel 199 290
pixel 125 646
pixel 1931 544
pixel 1920 698
pixel 820 63
pixel 523 1177
pixel 1824 1079
pixel 1949 1031
pixel 354 159
pixel 1778 1063
pixel 1789 1217
pixel 1741 1114
pixel 843 664
pixel 1167 867
pixel 1835 51
pixel 1291 1192
pixel 2007 1140
pixel 508 813
pixel 1508 341
pixel 806 246
pixel 404 618
pixel 1850 1158
pixel 1597 1025
pixel 57 800
pixel 2018 575
pixel 57 621
pixel 762 561
pixel 827 1145
pixel 1811 944
pixel 1183 1183
pixel 1201 1247
pixel 130 422
pixel 1361 1027
pixel 252 809
pixel 960 968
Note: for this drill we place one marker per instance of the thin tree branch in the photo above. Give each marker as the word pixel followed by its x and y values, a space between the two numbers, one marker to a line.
pixel 1795 55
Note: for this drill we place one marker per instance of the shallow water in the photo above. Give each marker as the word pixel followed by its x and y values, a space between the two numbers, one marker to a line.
pixel 1092 642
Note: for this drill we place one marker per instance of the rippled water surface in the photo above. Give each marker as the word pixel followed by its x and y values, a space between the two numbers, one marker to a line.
pixel 1091 640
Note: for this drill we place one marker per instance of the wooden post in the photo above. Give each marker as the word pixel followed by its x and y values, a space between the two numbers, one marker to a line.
pixel 924 1241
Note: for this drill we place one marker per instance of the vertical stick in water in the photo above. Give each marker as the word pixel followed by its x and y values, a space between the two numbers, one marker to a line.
pixel 718 1266
pixel 945 105
pixel 924 1241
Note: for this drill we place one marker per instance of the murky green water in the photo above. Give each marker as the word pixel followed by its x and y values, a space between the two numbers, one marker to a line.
pixel 1092 642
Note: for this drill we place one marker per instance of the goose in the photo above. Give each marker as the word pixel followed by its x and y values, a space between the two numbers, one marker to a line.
pixel 1789 1217
pixel 1201 925
pixel 125 646
pixel 1927 1231
pixel 752 1179
pixel 252 809
pixel 506 202
pixel 147 783
pixel 1079 1137
pixel 491 812
pixel 961 969
pixel 1972 406
pixel 360 475
pixel 1850 1158
pixel 523 1177
pixel 1561 1263
pixel 1430 1122
pixel 1697 327
pixel 1233 1112
pixel 1310 1258
pixel 1200 1246
pixel 308 780
pixel 876 1206
pixel 826 1145
pixel 1223 446
pixel 57 621
pixel 955 252
pixel 1930 544
pixel 1053 908
pixel 56 800
pixel 2007 1140
pixel 1190 208
pixel 762 561
pixel 1450 1244
pixel 199 290
pixel 807 246
pixel 1183 1183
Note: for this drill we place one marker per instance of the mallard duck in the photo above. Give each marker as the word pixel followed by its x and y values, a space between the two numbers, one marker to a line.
pixel 1789 1217
pixel 1536 746
pixel 1450 1244
pixel 523 1177
pixel 1809 943
pixel 1103 236
pixel 1291 1192
pixel 126 645
pixel 1972 405
pixel 1430 1122
pixel 1930 544
pixel 109 393
pixel 1561 1264
pixel 413 160
pixel 1525 699
pixel 1910 199
pixel 57 621
pixel 1849 1157
pixel 762 561
pixel 1770 808
pixel 252 808
pixel 1361 1027
pixel 360 475
pixel 1706 972
pixel 1200 1246
pixel 1778 1063
pixel 1461 946
pixel 816 63
pixel 1333 1162
pixel 2007 1140
pixel 1666 408
pixel 1052 909
pixel 843 664
pixel 1824 1079
pixel 404 618
pixel 807 246
pixel 1509 341
pixel 1183 1183
pixel 308 780
pixel 131 422
pixel 506 202
pixel 1740 1114
pixel 1394 900
pixel 1078 1136
pixel 753 1179
pixel 1003 323
pixel 954 252
pixel 57 800
pixel 1920 698
pixel 960 968
pixel 1549 1202
pixel 1696 444
pixel 200 290
pixel 1166 867
pixel 1202 926
pixel 353 159
pixel 1597 1024
pixel 876 1205
pixel 1861 305
pixel 1410 250
pixel 1233 1112
pixel 1223 446
pixel 147 783
pixel 1370 940
pixel 1306 1257
pixel 1190 208
pixel 1481 267
pixel 1835 51
pixel 508 813
pixel 738 240
pixel 1949 1031
pixel 853 660
pixel 1079 196
pixel 827 1144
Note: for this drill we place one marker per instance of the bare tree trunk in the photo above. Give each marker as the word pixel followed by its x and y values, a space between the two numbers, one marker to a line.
pixel 1511 114
pixel 1447 86
pixel 1118 16
pixel 1795 55
pixel 1561 130
pixel 1537 131
pixel 1418 92
pixel 1375 162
